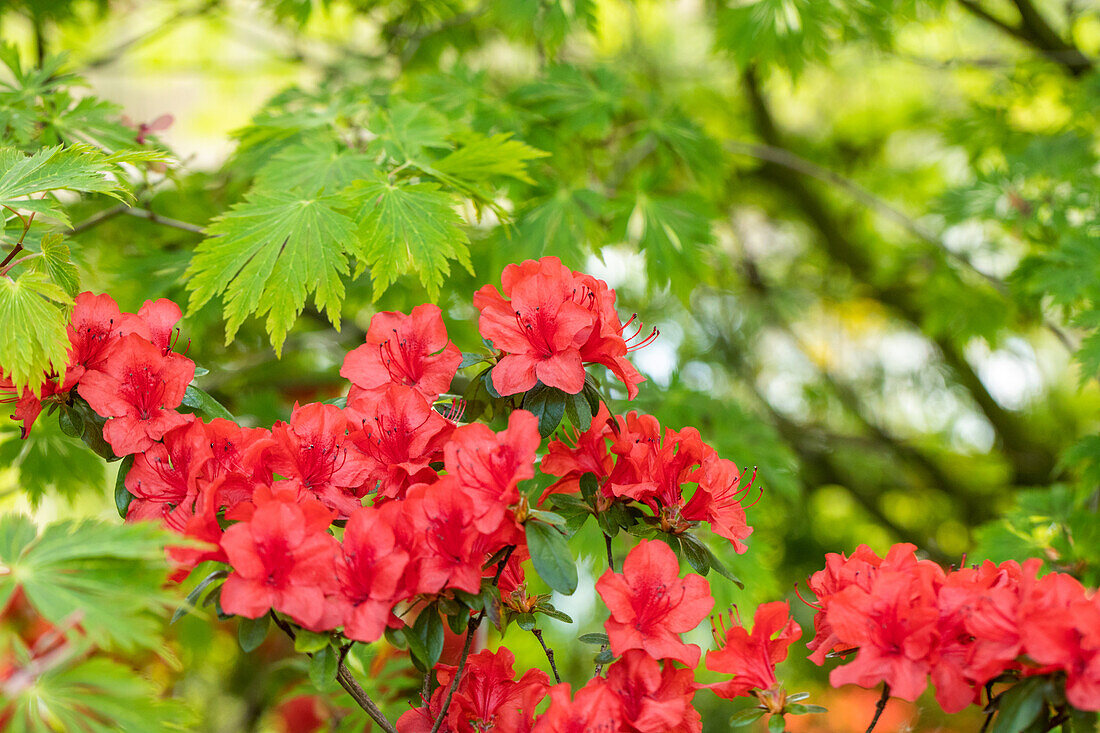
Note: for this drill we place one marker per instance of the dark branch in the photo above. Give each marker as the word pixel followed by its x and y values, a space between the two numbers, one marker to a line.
pixel 164 220
pixel 1033 30
pixel 96 219
pixel 348 682
pixel 879 707
pixel 549 654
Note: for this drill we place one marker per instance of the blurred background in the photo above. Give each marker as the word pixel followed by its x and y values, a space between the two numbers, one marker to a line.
pixel 865 229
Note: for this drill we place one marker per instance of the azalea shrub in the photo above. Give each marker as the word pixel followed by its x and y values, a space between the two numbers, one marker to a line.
pixel 403 513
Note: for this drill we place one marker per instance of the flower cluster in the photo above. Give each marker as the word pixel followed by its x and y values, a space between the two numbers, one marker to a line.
pixel 634 460
pixel 123 365
pixel 909 619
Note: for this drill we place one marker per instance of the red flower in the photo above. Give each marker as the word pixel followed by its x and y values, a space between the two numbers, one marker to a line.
pixel 751 657
pixel 161 317
pixel 313 451
pixel 491 465
pixel 411 350
pixel 449 554
pixel 541 329
pixel 488 697
pixel 605 344
pixel 239 459
pixel 139 388
pixel 399 435
pixel 894 625
pixel 594 709
pixel 651 605
pixel 95 326
pixel 166 475
pixel 653 699
pixel 28 405
pixel 369 567
pixel 588 454
pixel 282 558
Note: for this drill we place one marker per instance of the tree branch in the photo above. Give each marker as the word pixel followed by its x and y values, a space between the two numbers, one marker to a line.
pixel 348 682
pixel 1034 31
pixel 96 219
pixel 879 707
pixel 549 654
pixel 610 555
pixel 164 220
pixel 471 628
pixel 169 24
pixel 1032 462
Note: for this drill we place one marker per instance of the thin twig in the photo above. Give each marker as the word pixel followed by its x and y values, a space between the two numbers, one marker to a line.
pixel 164 220
pixel 168 25
pixel 348 682
pixel 471 628
pixel 549 654
pixel 7 268
pixel 879 707
pixel 610 556
pixel 96 219
pixel 18 245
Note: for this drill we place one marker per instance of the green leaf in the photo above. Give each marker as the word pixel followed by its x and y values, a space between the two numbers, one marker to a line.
pixel 94 694
pixel 796 709
pixel 409 227
pixel 525 621
pixel 191 602
pixel 1019 706
pixel 314 165
pixel 33 341
pixel 579 411
pixel 480 159
pixel 49 462
pixel 671 232
pixel 322 668
pixel 720 567
pixel 251 632
pixel 56 264
pixel 696 553
pixel 200 401
pixel 425 637
pixel 1081 721
pixel 548 405
pixel 77 167
pixel 548 609
pixel 110 577
pixel 597 639
pixel 605 657
pixel 123 497
pixel 266 254
pixel 744 717
pixel 551 557
pixel 776 724
pixel 306 641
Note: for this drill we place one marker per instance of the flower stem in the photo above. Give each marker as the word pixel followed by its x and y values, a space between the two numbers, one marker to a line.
pixel 879 707
pixel 549 654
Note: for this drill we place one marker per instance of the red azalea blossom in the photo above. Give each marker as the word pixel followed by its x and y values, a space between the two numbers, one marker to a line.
pixel 399 436
pixel 549 323
pixel 369 567
pixel 95 326
pixel 161 317
pixel 654 698
pixel 651 605
pixel 314 452
pixel 594 709
pixel 28 404
pixel 488 697
pixel 449 554
pixel 491 465
pixel 411 350
pixel 282 558
pixel 138 389
pixel 751 657
pixel 167 474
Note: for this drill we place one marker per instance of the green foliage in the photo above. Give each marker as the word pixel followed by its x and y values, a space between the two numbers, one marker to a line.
pixel 93 694
pixel 105 577
pixel 50 463
pixel 34 340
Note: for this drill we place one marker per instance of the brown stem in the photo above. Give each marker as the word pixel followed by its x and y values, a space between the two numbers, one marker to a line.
pixel 7 268
pixel 471 628
pixel 879 707
pixel 1034 31
pixel 18 245
pixel 96 219
pixel 348 682
pixel 164 220
pixel 610 555
pixel 549 654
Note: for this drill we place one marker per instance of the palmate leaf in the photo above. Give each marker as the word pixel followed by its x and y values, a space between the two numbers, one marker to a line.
pixel 108 577
pixel 483 158
pixel 266 254
pixel 409 227
pixel 313 166
pixel 50 462
pixel 74 168
pixel 93 694
pixel 33 341
pixel 56 264
pixel 671 232
pixel 562 223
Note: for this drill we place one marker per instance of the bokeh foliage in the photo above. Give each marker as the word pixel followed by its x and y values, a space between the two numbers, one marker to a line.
pixel 866 230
